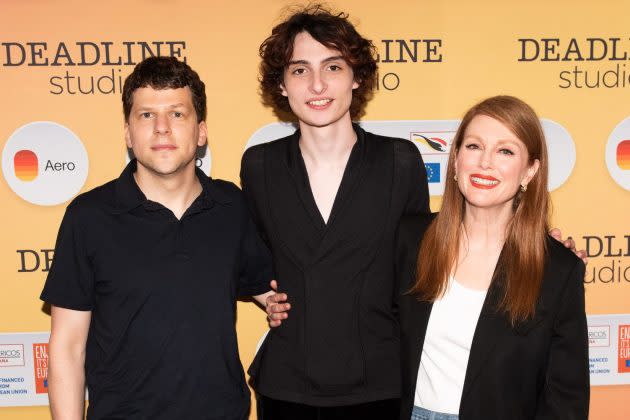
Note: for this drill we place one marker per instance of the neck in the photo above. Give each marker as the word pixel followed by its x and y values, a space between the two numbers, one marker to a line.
pixel 331 144
pixel 174 191
pixel 487 227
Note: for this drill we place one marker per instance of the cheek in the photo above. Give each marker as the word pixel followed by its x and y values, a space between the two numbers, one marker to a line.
pixel 513 172
pixel 463 162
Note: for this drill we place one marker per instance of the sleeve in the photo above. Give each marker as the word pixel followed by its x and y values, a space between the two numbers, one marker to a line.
pixel 415 173
pixel 251 168
pixel 70 281
pixel 566 392
pixel 256 264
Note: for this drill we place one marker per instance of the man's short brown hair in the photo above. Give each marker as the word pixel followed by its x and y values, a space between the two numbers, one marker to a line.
pixel 165 73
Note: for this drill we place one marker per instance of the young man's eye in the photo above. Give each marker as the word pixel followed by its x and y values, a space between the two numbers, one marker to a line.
pixel 145 115
pixel 334 67
pixel 177 114
pixel 299 71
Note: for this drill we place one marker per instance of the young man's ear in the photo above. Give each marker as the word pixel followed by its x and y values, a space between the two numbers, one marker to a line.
pixel 283 90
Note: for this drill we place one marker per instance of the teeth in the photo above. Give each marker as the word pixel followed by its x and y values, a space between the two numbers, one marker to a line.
pixel 320 102
pixel 483 181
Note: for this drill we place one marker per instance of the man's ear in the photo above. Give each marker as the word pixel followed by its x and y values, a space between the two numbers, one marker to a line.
pixel 283 90
pixel 203 134
pixel 127 136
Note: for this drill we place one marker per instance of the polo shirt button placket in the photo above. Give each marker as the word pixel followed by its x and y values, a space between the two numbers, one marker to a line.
pixel 181 252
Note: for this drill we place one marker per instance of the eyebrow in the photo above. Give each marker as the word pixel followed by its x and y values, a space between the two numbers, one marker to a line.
pixel 326 60
pixel 500 141
pixel 150 107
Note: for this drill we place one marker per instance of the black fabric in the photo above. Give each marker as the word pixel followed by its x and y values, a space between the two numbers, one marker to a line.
pixel 340 344
pixel 537 369
pixel 271 409
pixel 162 340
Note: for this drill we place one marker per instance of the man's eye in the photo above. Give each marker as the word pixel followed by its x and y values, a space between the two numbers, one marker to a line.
pixel 146 115
pixel 334 67
pixel 177 114
pixel 299 71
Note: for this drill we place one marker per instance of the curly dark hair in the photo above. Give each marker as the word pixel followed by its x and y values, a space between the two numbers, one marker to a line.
pixel 165 73
pixel 332 30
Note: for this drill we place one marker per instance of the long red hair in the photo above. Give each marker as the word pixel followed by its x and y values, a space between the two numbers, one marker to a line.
pixel 521 263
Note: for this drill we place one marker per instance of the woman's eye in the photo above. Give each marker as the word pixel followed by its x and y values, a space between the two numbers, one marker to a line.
pixel 506 152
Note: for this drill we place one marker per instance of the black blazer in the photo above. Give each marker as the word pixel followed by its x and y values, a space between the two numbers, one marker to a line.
pixel 536 370
pixel 340 344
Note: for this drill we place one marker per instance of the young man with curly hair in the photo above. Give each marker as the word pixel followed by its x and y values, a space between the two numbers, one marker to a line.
pixel 327 200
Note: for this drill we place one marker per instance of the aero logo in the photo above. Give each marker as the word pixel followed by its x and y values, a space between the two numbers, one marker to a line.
pixel 618 154
pixel 25 165
pixel 433 139
pixel 623 154
pixel 44 163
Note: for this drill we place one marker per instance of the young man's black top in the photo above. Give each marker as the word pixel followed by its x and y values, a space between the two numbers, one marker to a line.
pixel 340 346
pixel 162 341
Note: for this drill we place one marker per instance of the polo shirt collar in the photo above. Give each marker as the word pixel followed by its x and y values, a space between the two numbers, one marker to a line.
pixel 129 196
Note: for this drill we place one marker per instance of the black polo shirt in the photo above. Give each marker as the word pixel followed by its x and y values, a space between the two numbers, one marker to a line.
pixel 162 340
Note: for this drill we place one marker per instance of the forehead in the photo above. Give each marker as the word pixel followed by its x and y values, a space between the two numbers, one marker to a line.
pixel 307 48
pixel 489 129
pixel 151 97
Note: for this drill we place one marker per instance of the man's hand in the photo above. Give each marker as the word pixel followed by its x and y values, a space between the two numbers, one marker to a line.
pixel 275 305
pixel 569 243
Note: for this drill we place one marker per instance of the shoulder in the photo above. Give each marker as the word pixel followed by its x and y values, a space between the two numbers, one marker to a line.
pixel 95 200
pixel 402 148
pixel 560 257
pixel 563 268
pixel 227 188
pixel 257 153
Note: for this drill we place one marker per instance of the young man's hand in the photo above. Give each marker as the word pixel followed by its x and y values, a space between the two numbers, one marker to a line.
pixel 569 243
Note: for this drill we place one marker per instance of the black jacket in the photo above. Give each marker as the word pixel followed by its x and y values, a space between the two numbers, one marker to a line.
pixel 535 370
pixel 340 344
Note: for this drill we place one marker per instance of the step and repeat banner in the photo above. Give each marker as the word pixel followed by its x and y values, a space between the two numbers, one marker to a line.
pixel 62 66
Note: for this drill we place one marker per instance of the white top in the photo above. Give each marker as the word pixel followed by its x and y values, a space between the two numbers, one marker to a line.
pixel 446 348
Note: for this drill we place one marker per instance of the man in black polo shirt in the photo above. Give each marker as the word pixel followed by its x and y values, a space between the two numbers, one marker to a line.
pixel 148 267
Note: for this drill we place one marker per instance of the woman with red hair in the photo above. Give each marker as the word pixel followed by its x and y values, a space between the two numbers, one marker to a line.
pixel 492 309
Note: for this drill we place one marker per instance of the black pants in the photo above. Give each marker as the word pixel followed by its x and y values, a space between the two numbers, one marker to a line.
pixel 270 409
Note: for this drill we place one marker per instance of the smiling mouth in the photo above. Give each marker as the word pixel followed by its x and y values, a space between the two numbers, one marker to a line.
pixel 483 182
pixel 319 102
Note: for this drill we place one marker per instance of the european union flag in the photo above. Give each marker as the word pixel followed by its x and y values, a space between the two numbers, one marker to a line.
pixel 433 172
